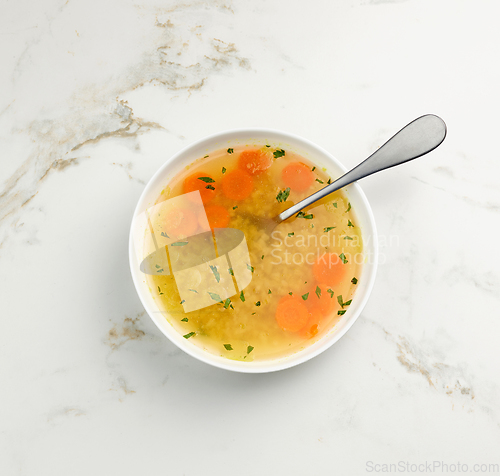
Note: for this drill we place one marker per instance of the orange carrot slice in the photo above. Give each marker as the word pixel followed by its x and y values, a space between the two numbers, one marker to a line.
pixel 291 314
pixel 237 185
pixel 297 176
pixel 202 182
pixel 218 217
pixel 254 161
pixel 180 222
pixel 329 270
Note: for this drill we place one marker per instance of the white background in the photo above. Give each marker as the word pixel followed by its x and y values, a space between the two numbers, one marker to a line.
pixel 96 95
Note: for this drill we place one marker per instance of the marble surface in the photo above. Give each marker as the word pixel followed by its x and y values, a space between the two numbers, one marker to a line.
pixel 96 95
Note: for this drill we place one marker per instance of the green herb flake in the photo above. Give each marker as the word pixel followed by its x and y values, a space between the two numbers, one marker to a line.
pixel 160 271
pixel 206 179
pixel 164 234
pixel 231 272
pixel 278 153
pixel 307 217
pixel 228 346
pixel 343 258
pixel 185 319
pixel 205 156
pixel 234 208
pixel 329 181
pixel 347 238
pixel 223 170
pixel 305 296
pixel 349 223
pixel 320 181
pixel 354 281
pixel 227 303
pixel 242 297
pixel 269 292
pixel 216 273
pixel 159 291
pixel 266 146
pixel 262 257
pixel 341 313
pixel 210 187
pixel 183 301
pixel 257 303
pixel 253 313
pixel 283 195
pixel 290 293
pixel 313 169
pixel 330 292
pixel 157 265
pixel 251 268
pixel 215 297
pixel 334 204
pixel 179 243
pixel 329 228
pixel 340 301
pixel 318 291
pixel 187 336
pixel 193 291
pixel 291 234
pixel 348 207
pixel 230 151
pixel 348 302
pixel 249 349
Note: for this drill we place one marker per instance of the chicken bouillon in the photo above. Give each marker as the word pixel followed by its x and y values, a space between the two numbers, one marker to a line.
pixel 237 288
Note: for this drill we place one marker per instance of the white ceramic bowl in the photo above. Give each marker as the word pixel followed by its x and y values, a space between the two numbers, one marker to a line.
pixel 317 155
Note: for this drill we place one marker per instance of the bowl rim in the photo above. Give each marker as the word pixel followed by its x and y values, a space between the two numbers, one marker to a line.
pixel 294 358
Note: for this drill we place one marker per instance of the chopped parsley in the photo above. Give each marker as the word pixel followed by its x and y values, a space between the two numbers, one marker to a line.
pixel 228 346
pixel 159 290
pixel 266 146
pixel 334 204
pixel 179 243
pixel 313 169
pixel 230 151
pixel 307 217
pixel 242 297
pixel 291 234
pixel 231 272
pixel 329 228
pixel 262 257
pixel 347 238
pixel 223 170
pixel 329 181
pixel 227 303
pixel 354 281
pixel 185 319
pixel 257 303
pixel 269 292
pixel 348 207
pixel 206 179
pixel 341 313
pixel 349 223
pixel 164 234
pixel 193 290
pixel 249 349
pixel 283 195
pixel 278 153
pixel 320 181
pixel 205 156
pixel 318 291
pixel 251 268
pixel 187 336
pixel 342 303
pixel 215 297
pixel 343 258
pixel 183 301
pixel 330 292
pixel 216 273
pixel 305 296
pixel 160 270
pixel 210 187
pixel 234 208
pixel 290 293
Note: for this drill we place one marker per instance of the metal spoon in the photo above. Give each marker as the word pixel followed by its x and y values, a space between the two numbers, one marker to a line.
pixel 418 138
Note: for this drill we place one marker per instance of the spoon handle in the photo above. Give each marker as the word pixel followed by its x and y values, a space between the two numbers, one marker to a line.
pixel 418 138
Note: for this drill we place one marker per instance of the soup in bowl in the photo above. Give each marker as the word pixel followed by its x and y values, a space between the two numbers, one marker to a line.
pixel 224 285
